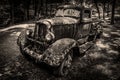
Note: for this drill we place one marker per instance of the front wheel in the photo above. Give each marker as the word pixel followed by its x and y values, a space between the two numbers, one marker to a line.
pixel 65 65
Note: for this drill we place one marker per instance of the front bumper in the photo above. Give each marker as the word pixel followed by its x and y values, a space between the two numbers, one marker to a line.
pixel 33 54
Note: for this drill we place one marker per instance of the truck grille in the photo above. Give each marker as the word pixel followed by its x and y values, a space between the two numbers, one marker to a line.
pixel 40 32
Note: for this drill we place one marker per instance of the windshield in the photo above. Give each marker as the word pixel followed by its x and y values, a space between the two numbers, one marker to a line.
pixel 68 13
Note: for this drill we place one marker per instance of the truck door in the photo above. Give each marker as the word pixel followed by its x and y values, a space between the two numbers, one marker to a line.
pixel 86 22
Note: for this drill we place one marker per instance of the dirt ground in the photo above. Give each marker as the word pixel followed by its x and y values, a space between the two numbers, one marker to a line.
pixel 101 62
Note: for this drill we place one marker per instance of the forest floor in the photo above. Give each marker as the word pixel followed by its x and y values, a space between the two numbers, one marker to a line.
pixel 101 62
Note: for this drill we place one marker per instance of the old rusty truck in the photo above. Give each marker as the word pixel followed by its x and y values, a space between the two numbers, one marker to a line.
pixel 55 41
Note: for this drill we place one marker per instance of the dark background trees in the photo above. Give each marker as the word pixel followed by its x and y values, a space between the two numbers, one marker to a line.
pixel 24 10
pixel 113 11
pixel 104 3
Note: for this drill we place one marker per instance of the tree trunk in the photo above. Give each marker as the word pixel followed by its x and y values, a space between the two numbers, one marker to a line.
pixel 98 10
pixel 113 11
pixel 26 7
pixel 108 9
pixel 104 10
pixel 11 11
pixel 41 7
pixel 83 3
pixel 46 11
pixel 35 7
pixel 27 13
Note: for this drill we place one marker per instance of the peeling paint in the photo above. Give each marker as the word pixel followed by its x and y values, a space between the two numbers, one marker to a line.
pixel 60 20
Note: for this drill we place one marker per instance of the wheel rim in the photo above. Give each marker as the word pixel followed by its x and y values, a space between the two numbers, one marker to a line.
pixel 65 65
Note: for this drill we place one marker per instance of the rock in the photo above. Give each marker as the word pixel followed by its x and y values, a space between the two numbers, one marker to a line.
pixel 1 74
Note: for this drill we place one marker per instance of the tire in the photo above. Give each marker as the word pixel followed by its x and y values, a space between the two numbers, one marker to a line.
pixel 99 35
pixel 22 41
pixel 63 69
pixel 99 32
pixel 91 38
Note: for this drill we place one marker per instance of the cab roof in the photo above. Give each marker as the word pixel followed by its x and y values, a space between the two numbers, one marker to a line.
pixel 71 6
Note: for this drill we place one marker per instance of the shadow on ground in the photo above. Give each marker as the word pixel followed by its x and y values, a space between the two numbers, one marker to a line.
pixel 101 62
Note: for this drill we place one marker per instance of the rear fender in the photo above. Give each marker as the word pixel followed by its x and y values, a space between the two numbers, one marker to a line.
pixel 55 54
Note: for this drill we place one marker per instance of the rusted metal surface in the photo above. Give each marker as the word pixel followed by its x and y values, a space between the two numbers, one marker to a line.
pixel 60 20
pixel 51 39
pixel 57 51
pixel 33 54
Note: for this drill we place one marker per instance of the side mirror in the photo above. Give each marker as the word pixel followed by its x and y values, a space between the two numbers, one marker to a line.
pixel 102 21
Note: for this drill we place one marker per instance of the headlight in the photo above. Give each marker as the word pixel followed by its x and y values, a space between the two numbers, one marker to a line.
pixel 49 36
pixel 93 24
pixel 28 32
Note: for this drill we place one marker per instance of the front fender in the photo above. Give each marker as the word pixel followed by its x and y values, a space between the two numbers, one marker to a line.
pixel 57 51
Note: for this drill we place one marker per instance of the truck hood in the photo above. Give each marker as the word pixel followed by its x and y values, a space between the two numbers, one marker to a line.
pixel 59 20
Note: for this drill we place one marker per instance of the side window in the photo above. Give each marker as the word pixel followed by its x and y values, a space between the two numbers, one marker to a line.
pixel 59 12
pixel 87 14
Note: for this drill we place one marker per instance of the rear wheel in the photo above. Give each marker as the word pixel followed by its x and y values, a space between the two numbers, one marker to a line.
pixel 99 31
